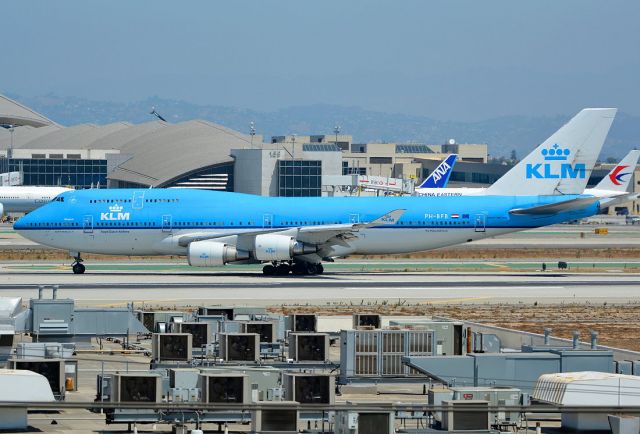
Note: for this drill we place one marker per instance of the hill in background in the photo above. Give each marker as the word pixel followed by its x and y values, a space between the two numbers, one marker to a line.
pixel 502 134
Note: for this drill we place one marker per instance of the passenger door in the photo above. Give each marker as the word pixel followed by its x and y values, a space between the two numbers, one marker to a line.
pixel 481 220
pixel 166 223
pixel 267 220
pixel 87 224
pixel 137 201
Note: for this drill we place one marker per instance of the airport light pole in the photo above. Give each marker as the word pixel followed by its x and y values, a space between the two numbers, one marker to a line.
pixel 252 132
pixel 293 147
pixel 336 130
pixel 156 114
pixel 12 128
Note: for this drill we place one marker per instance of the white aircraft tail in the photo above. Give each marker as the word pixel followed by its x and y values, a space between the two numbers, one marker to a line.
pixel 563 163
pixel 619 177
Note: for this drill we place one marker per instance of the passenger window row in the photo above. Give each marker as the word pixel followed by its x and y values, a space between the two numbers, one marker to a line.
pixel 130 200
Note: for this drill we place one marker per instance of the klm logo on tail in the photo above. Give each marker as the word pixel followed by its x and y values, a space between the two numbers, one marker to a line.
pixel 549 170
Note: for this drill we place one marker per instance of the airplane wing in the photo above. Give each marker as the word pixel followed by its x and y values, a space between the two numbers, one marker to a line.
pixel 321 234
pixel 554 208
pixel 338 234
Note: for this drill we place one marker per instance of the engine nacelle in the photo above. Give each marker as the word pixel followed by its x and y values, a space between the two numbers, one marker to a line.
pixel 213 253
pixel 275 247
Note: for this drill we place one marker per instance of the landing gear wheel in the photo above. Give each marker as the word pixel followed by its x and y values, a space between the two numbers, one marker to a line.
pixel 312 268
pixel 320 269
pixel 78 268
pixel 269 270
pixel 283 269
pixel 299 269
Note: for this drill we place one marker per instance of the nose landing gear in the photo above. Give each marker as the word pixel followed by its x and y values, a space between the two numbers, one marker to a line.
pixel 77 266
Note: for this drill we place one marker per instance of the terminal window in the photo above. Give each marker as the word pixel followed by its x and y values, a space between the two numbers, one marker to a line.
pixel 52 172
pixel 299 178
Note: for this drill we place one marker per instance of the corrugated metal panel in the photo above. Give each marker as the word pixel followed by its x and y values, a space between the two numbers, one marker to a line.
pixel 380 352
pixel 366 365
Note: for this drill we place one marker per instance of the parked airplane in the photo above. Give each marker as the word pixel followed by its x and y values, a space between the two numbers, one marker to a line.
pixel 25 199
pixel 439 178
pixel 296 234
pixel 612 189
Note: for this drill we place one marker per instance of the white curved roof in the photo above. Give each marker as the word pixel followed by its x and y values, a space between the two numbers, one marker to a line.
pixel 17 385
pixel 588 388
pixel 14 113
pixel 167 153
pixel 152 153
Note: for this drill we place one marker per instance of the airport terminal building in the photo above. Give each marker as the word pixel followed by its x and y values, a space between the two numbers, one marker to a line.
pixel 205 155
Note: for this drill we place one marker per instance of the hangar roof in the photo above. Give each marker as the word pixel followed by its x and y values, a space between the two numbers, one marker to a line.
pixel 14 113
pixel 152 153
pixel 167 153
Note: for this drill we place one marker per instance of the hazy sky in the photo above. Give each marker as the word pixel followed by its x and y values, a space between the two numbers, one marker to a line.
pixel 457 60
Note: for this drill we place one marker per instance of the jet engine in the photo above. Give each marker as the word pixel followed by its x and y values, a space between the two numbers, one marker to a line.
pixel 275 247
pixel 212 253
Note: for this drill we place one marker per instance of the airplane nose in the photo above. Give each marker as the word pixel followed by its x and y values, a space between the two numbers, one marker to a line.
pixel 21 223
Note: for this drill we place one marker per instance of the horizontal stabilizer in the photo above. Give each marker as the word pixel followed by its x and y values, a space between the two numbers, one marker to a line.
pixel 555 208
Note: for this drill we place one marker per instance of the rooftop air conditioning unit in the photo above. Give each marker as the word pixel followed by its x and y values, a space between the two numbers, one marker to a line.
pixel 240 347
pixel 275 420
pixel 138 387
pixel 51 369
pixel 309 347
pixel 227 387
pixel 307 388
pixel 201 332
pixel 303 323
pixel 183 378
pixel 174 347
pixel 266 330
pixel 369 320
pixel 227 312
pixel 354 422
pixel 466 416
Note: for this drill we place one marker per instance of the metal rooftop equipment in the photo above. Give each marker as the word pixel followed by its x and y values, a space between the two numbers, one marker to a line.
pixel 587 388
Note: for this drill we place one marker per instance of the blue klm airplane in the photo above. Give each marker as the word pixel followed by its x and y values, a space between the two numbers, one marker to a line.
pixel 297 234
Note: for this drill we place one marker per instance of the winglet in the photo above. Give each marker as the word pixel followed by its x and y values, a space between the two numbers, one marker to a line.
pixel 390 218
pixel 557 207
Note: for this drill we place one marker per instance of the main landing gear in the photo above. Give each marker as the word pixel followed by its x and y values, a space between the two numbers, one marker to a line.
pixel 295 268
pixel 77 266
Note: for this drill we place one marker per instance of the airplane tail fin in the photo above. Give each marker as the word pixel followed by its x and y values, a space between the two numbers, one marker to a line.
pixel 563 163
pixel 619 177
pixel 440 176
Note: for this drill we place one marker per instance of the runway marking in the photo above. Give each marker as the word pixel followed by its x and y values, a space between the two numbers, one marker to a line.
pixel 455 300
pixel 449 288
